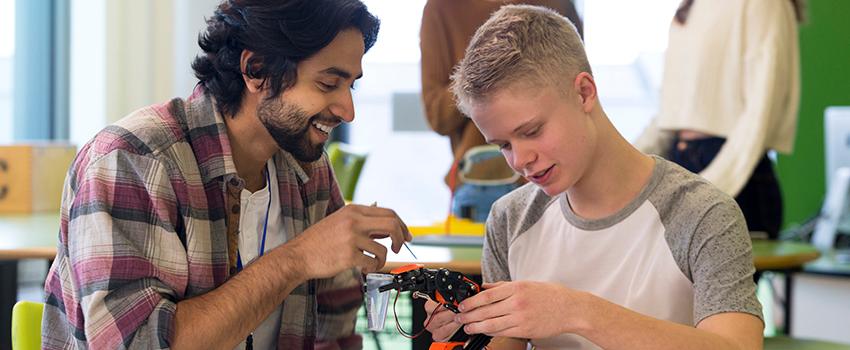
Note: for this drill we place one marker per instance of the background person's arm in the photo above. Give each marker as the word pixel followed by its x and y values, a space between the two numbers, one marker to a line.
pixel 437 63
pixel 770 89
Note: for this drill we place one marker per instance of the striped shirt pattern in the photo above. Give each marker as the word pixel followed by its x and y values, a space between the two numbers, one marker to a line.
pixel 148 219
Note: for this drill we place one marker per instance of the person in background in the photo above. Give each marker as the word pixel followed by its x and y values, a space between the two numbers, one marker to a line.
pixel 447 27
pixel 215 222
pixel 729 95
pixel 606 247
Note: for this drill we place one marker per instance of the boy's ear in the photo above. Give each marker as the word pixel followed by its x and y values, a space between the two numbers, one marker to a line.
pixel 253 85
pixel 585 86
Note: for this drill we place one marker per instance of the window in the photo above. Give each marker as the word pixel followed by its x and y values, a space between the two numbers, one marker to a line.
pixel 35 32
pixel 626 41
pixel 7 53
pixel 406 163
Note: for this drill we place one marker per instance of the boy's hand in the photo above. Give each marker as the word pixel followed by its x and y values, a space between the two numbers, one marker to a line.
pixel 442 323
pixel 523 309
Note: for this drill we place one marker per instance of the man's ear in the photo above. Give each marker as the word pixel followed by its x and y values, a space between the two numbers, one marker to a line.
pixel 586 89
pixel 253 85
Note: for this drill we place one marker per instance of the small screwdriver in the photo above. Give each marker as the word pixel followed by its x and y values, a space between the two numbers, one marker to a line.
pixel 375 204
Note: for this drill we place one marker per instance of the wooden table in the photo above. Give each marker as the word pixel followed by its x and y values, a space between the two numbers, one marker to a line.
pixel 21 237
pixel 782 255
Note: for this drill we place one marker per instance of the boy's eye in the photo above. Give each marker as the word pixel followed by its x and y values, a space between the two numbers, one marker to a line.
pixel 533 132
pixel 505 146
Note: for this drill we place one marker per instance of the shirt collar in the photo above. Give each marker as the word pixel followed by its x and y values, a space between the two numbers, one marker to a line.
pixel 207 134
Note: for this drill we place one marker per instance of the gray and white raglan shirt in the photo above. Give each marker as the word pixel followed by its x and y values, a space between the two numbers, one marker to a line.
pixel 680 251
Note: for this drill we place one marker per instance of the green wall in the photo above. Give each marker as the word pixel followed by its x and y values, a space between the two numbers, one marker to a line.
pixel 825 61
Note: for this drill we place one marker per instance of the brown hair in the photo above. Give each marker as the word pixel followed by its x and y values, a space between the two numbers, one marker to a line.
pixel 685 7
pixel 518 44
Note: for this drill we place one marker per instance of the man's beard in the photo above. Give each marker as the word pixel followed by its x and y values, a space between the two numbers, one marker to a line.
pixel 290 126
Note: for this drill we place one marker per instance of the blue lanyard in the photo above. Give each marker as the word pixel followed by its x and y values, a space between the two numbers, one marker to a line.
pixel 265 225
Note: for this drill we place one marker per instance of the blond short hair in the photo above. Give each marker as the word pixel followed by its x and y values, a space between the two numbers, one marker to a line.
pixel 519 44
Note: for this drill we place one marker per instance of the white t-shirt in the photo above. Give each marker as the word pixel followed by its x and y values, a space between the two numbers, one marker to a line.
pixel 680 251
pixel 251 221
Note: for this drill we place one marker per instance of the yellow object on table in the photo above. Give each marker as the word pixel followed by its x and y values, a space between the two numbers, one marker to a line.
pixel 456 226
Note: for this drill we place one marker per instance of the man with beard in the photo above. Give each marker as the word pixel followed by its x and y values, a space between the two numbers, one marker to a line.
pixel 215 221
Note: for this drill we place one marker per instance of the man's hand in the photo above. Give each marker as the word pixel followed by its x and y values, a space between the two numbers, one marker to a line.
pixel 522 309
pixel 440 322
pixel 341 240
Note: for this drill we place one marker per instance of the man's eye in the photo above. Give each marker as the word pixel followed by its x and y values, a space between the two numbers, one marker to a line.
pixel 326 87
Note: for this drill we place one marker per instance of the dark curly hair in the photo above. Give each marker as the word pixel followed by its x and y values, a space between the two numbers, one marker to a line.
pixel 279 33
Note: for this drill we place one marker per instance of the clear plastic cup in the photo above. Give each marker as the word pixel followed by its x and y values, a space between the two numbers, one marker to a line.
pixel 377 302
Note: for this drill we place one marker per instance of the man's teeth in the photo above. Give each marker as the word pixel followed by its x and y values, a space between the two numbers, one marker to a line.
pixel 326 129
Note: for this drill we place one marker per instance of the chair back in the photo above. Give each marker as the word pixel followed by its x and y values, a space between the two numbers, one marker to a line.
pixel 26 325
pixel 347 165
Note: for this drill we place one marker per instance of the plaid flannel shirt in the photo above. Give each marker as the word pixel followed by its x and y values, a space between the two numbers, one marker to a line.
pixel 150 217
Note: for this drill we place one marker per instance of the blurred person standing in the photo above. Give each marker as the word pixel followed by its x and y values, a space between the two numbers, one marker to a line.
pixel 729 95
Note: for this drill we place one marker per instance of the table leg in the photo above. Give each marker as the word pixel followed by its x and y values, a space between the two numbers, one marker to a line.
pixel 789 280
pixel 8 297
